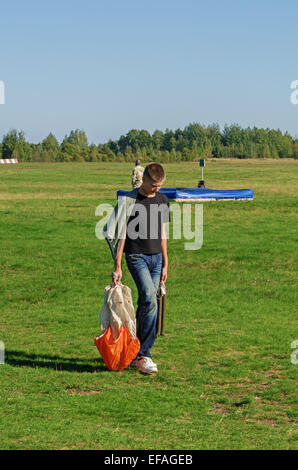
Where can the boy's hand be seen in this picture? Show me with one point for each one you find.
(164, 274)
(117, 276)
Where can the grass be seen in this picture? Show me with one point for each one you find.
(225, 377)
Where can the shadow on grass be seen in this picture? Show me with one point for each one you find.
(21, 358)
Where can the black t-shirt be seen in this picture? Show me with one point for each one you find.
(145, 224)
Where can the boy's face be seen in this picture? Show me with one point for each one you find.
(151, 187)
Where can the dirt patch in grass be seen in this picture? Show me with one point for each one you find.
(271, 422)
(273, 373)
(77, 391)
(221, 409)
(184, 418)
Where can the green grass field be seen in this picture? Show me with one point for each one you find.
(225, 378)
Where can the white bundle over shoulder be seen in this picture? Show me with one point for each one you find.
(118, 310)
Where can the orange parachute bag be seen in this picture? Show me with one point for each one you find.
(118, 344)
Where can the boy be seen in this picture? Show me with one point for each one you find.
(145, 248)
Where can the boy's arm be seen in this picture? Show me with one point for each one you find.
(118, 261)
(164, 252)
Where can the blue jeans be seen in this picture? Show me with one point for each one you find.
(146, 272)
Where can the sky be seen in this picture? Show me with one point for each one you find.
(108, 66)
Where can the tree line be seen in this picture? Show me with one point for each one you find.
(194, 142)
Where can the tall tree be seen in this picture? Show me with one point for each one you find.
(14, 145)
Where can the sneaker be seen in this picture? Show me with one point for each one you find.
(146, 366)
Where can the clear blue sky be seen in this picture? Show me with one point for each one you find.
(107, 66)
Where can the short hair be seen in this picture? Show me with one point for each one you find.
(155, 172)
(138, 162)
